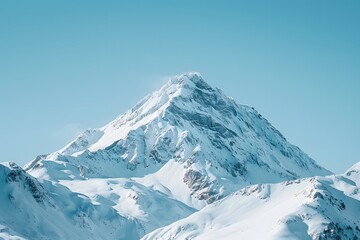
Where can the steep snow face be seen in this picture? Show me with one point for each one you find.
(312, 208)
(211, 145)
(33, 210)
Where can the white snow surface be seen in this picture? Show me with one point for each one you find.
(150, 208)
(33, 210)
(177, 165)
(311, 208)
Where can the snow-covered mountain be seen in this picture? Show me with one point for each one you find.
(33, 210)
(310, 208)
(187, 140)
(169, 167)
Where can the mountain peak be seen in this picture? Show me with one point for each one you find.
(189, 80)
(12, 165)
(209, 142)
(189, 77)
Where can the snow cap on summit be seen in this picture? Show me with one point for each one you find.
(190, 80)
(189, 76)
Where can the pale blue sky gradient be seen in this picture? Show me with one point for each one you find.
(66, 66)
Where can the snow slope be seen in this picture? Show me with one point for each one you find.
(149, 208)
(186, 140)
(353, 173)
(310, 208)
(33, 210)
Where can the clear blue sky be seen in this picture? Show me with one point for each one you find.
(70, 65)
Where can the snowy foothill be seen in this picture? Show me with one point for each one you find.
(311, 208)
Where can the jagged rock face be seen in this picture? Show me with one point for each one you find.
(221, 145)
(19, 179)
